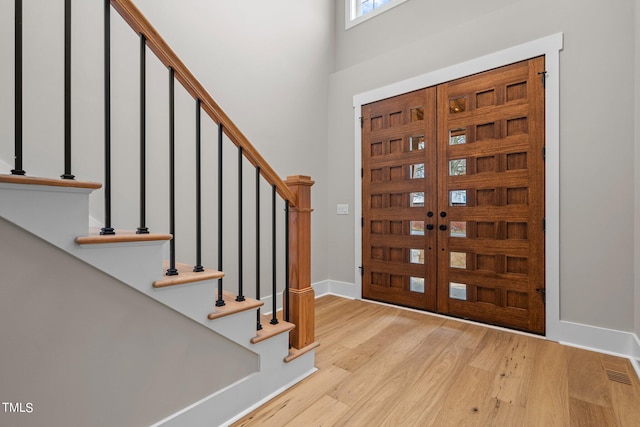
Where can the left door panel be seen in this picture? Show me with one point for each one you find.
(399, 200)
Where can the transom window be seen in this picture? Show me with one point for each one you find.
(365, 6)
(358, 11)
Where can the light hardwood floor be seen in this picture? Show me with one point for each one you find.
(385, 366)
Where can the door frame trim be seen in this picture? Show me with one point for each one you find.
(550, 47)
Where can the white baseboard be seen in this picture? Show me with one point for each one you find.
(334, 287)
(207, 411)
(636, 365)
(268, 398)
(603, 340)
(220, 399)
(635, 360)
(326, 287)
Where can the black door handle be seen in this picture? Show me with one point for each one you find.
(443, 227)
(443, 214)
(429, 226)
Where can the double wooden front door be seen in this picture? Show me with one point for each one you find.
(453, 198)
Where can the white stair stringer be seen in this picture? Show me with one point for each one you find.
(59, 215)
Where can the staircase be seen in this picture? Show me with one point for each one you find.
(57, 211)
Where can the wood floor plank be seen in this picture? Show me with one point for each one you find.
(587, 379)
(420, 402)
(626, 403)
(513, 374)
(385, 395)
(588, 414)
(471, 335)
(548, 399)
(324, 412)
(385, 351)
(625, 398)
(288, 405)
(467, 402)
(385, 366)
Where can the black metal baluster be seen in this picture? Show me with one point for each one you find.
(274, 318)
(67, 91)
(286, 260)
(220, 302)
(18, 90)
(198, 267)
(107, 229)
(142, 229)
(258, 244)
(240, 296)
(172, 270)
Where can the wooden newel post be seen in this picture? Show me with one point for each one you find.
(301, 295)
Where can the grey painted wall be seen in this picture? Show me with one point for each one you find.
(87, 350)
(596, 119)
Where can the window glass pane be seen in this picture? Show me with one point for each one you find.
(366, 6)
(416, 199)
(417, 228)
(416, 284)
(458, 198)
(417, 114)
(458, 228)
(457, 136)
(457, 260)
(457, 105)
(457, 167)
(417, 171)
(417, 256)
(361, 10)
(458, 291)
(416, 143)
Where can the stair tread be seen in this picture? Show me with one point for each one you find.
(294, 353)
(121, 236)
(232, 306)
(186, 275)
(29, 180)
(268, 330)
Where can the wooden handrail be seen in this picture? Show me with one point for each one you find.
(137, 21)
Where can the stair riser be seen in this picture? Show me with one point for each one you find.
(272, 352)
(57, 215)
(136, 264)
(240, 327)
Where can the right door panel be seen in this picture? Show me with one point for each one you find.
(491, 196)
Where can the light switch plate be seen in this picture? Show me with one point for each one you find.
(342, 209)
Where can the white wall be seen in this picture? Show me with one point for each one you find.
(597, 125)
(269, 75)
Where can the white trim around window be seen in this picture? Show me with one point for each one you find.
(350, 8)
